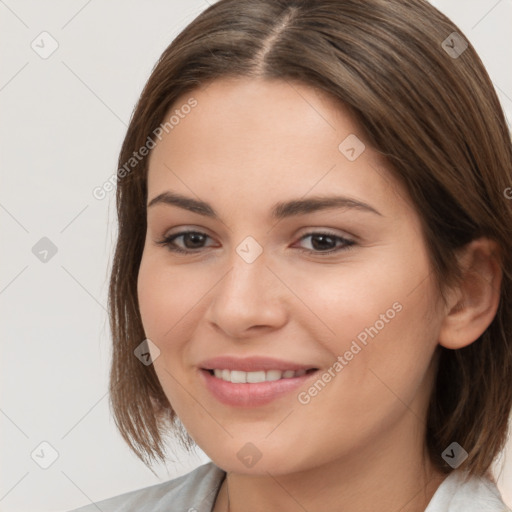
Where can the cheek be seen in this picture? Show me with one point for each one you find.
(386, 295)
(171, 300)
(381, 322)
(166, 302)
(151, 297)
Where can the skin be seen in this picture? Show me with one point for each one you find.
(247, 145)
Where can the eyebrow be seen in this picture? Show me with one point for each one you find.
(279, 211)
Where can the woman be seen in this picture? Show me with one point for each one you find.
(313, 269)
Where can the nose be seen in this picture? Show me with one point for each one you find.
(248, 300)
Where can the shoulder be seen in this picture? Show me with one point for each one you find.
(195, 492)
(461, 493)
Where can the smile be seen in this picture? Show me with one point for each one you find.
(241, 377)
(255, 388)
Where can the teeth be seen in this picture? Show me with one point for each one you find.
(273, 375)
(253, 377)
(237, 376)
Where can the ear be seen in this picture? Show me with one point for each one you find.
(472, 306)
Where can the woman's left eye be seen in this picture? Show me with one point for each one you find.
(319, 242)
(329, 238)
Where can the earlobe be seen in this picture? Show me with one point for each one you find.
(473, 305)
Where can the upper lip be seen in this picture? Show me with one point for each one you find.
(250, 364)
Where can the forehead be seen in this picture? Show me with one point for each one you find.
(266, 139)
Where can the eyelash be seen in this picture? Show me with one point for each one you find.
(169, 242)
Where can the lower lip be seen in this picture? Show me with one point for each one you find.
(252, 394)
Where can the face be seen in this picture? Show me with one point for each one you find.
(339, 294)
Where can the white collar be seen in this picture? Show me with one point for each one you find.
(461, 493)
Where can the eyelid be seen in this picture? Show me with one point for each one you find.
(299, 234)
(327, 231)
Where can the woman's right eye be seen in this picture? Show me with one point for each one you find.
(194, 236)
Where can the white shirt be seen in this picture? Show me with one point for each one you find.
(474, 495)
(197, 491)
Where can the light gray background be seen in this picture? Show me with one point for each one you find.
(63, 120)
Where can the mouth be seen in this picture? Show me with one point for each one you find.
(237, 388)
(255, 377)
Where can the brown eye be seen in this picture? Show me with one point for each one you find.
(192, 240)
(325, 243)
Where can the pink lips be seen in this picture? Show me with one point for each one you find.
(251, 394)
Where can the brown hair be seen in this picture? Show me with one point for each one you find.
(436, 117)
